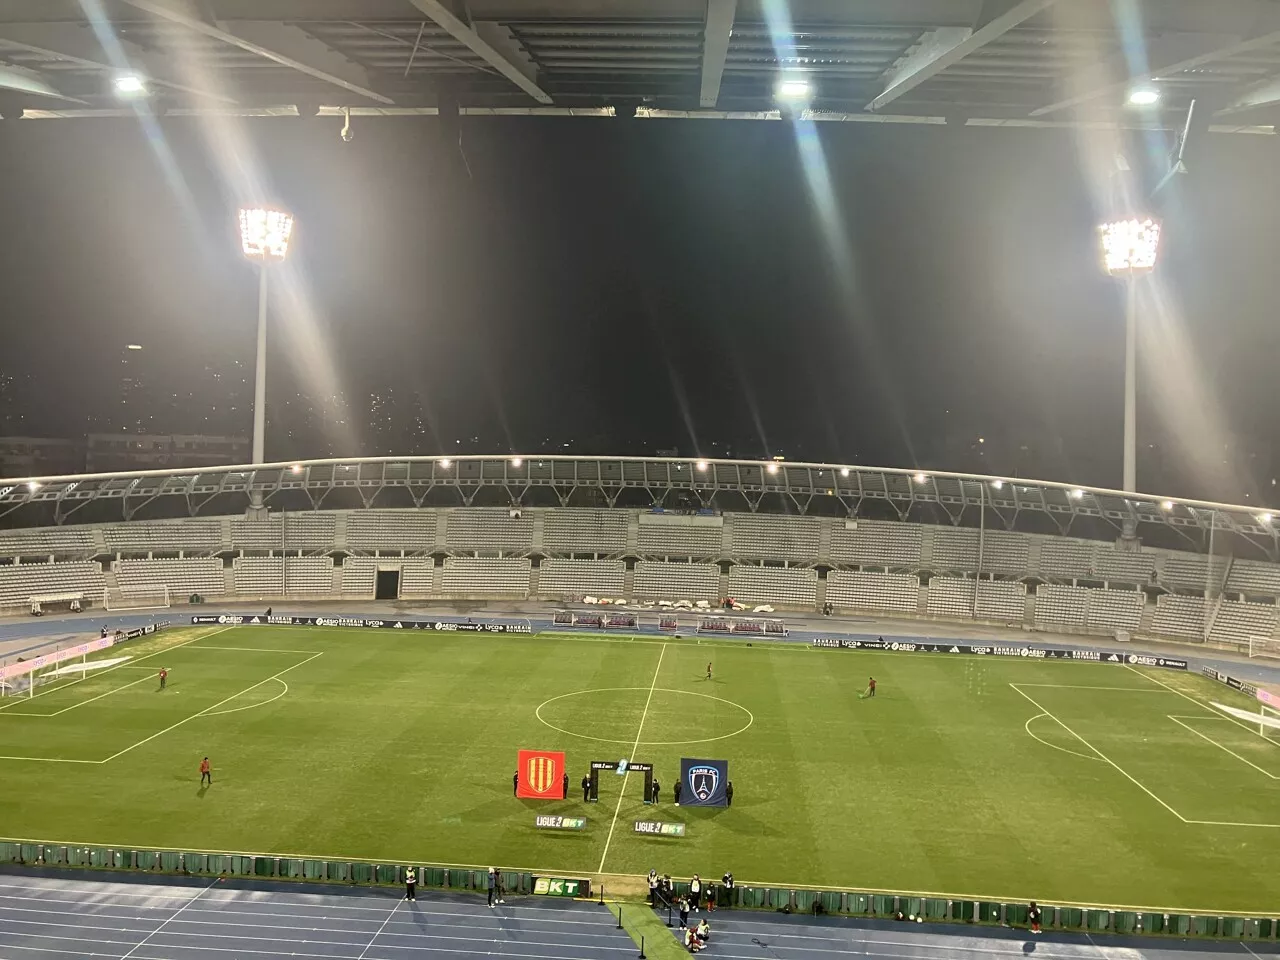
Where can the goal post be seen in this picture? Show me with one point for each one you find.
(1264, 647)
(151, 597)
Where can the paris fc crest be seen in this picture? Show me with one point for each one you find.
(704, 782)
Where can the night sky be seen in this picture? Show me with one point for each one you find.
(628, 286)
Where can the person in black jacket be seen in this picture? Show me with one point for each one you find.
(1033, 917)
(566, 786)
(728, 793)
(677, 792)
(586, 789)
(515, 783)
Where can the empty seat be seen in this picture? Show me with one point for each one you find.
(560, 578)
(951, 597)
(1236, 622)
(584, 531)
(774, 538)
(1067, 559)
(1002, 601)
(1124, 566)
(1179, 616)
(793, 586)
(1114, 609)
(413, 531)
(877, 543)
(202, 575)
(666, 535)
(654, 580)
(1250, 576)
(1196, 571)
(482, 528)
(21, 581)
(189, 536)
(45, 542)
(1061, 605)
(955, 549)
(486, 577)
(866, 590)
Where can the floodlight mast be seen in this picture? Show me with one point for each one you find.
(1130, 247)
(264, 239)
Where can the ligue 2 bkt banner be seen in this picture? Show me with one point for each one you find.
(541, 774)
(703, 783)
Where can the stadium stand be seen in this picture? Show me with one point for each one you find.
(1004, 552)
(202, 575)
(1235, 622)
(676, 581)
(359, 576)
(1249, 576)
(1192, 570)
(877, 542)
(584, 531)
(191, 536)
(1179, 616)
(413, 531)
(951, 597)
(20, 581)
(308, 576)
(416, 579)
(1114, 609)
(1066, 559)
(486, 577)
(672, 535)
(256, 534)
(774, 538)
(602, 578)
(793, 586)
(42, 542)
(955, 549)
(862, 590)
(307, 531)
(1123, 566)
(485, 529)
(1060, 605)
(259, 576)
(1002, 601)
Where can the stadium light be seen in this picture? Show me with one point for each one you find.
(702, 465)
(919, 478)
(1144, 96)
(844, 471)
(130, 85)
(1130, 247)
(793, 89)
(1077, 494)
(264, 239)
(133, 346)
(772, 468)
(33, 486)
(296, 468)
(998, 484)
(1265, 518)
(446, 464)
(1166, 505)
(517, 462)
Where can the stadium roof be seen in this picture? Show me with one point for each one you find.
(962, 499)
(954, 61)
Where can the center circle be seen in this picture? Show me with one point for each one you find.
(668, 718)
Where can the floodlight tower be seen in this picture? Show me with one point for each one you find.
(264, 238)
(1129, 248)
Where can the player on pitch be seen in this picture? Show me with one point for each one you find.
(708, 671)
(206, 772)
(164, 676)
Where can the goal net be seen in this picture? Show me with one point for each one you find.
(1266, 721)
(155, 597)
(1264, 647)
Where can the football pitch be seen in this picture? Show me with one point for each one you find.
(975, 777)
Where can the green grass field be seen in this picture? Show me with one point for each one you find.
(970, 776)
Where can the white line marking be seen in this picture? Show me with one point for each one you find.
(209, 646)
(648, 743)
(1198, 703)
(1027, 727)
(634, 747)
(1221, 747)
(134, 662)
(1078, 686)
(1117, 766)
(143, 941)
(207, 710)
(46, 759)
(380, 929)
(253, 706)
(1234, 823)
(1251, 953)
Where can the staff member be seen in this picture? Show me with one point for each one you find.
(206, 772)
(515, 783)
(586, 789)
(566, 786)
(411, 884)
(657, 788)
(676, 790)
(728, 794)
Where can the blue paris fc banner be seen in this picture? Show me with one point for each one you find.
(704, 783)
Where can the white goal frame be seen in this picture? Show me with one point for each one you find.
(140, 598)
(1264, 647)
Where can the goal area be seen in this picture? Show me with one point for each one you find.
(155, 597)
(1264, 647)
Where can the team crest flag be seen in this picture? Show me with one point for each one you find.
(704, 783)
(541, 774)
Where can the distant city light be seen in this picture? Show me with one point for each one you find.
(982, 439)
(265, 233)
(794, 89)
(1130, 246)
(130, 85)
(1144, 96)
(1166, 505)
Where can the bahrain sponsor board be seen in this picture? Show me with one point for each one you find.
(1001, 650)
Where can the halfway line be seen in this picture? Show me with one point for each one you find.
(634, 747)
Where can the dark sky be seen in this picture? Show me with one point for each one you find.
(644, 284)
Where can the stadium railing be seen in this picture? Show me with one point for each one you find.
(1088, 919)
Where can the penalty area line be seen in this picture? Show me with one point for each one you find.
(209, 710)
(634, 747)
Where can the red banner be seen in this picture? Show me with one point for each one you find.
(541, 774)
